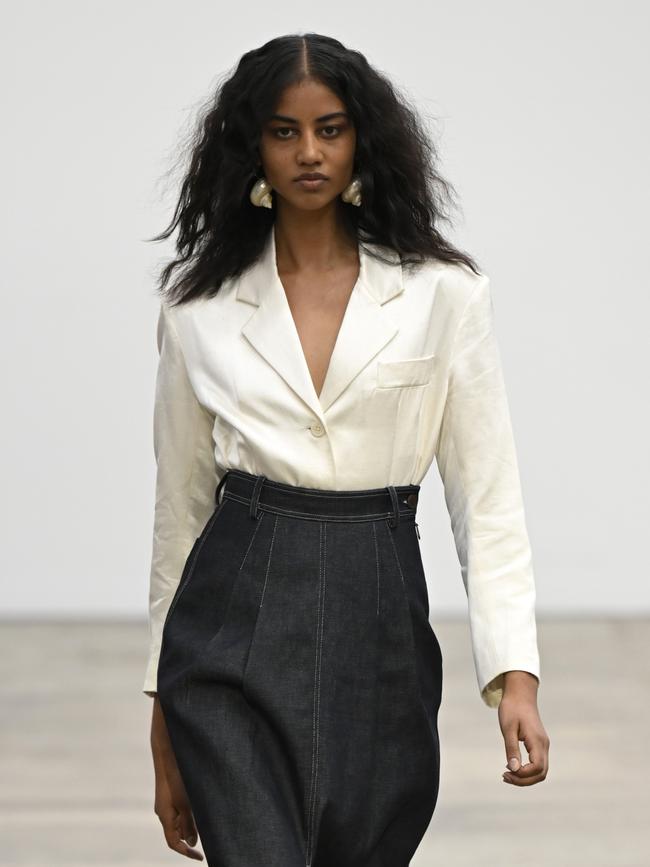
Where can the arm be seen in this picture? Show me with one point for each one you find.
(478, 466)
(186, 480)
(185, 489)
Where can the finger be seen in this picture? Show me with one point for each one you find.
(529, 769)
(188, 827)
(537, 749)
(538, 754)
(171, 823)
(174, 841)
(523, 781)
(513, 755)
(534, 771)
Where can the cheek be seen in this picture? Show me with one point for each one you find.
(343, 154)
(270, 152)
(276, 160)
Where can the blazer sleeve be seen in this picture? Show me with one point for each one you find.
(478, 466)
(186, 479)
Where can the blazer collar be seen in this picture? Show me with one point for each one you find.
(366, 327)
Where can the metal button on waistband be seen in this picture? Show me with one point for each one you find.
(317, 429)
(412, 500)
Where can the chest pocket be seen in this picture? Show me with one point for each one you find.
(406, 372)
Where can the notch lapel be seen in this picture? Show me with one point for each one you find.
(366, 327)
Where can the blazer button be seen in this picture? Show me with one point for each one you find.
(317, 429)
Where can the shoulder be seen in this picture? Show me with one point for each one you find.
(174, 321)
(194, 327)
(453, 284)
(179, 318)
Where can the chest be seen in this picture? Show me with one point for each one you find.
(318, 306)
(281, 357)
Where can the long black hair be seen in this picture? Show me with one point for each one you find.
(221, 232)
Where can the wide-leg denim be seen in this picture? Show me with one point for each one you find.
(300, 678)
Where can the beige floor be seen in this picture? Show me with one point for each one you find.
(77, 780)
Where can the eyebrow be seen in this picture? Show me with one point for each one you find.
(324, 117)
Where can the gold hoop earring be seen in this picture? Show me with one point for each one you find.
(352, 193)
(261, 194)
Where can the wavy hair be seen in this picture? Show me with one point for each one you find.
(221, 233)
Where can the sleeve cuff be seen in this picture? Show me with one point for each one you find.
(492, 691)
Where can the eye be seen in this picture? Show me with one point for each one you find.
(279, 131)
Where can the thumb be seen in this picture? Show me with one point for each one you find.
(188, 828)
(513, 754)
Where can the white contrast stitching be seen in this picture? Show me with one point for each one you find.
(399, 565)
(316, 716)
(374, 533)
(293, 513)
(268, 562)
(257, 526)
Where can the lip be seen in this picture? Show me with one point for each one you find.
(311, 176)
(311, 183)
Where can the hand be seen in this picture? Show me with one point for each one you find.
(520, 721)
(171, 805)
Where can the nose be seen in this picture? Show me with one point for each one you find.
(309, 151)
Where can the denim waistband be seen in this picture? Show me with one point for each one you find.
(262, 494)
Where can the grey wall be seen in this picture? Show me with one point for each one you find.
(540, 114)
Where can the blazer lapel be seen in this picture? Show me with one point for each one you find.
(366, 327)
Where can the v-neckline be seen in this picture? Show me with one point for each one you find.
(342, 323)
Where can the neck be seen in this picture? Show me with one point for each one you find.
(312, 241)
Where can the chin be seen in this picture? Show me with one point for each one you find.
(308, 202)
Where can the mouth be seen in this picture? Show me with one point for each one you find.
(311, 182)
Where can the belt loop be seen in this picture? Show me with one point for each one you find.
(220, 486)
(393, 495)
(254, 510)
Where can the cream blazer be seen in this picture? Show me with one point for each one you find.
(415, 374)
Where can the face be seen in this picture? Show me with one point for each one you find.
(309, 132)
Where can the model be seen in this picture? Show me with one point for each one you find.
(321, 344)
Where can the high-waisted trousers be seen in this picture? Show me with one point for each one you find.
(300, 678)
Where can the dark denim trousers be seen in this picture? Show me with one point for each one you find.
(300, 678)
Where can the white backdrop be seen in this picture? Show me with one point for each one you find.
(540, 114)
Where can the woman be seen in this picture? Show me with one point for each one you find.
(322, 344)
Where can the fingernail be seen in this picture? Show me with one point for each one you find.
(513, 764)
